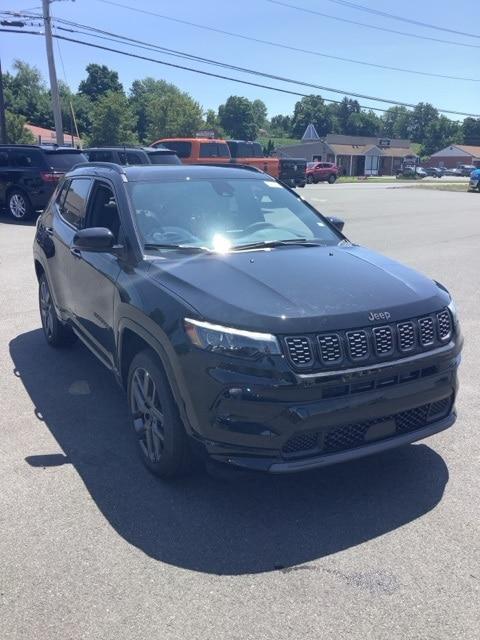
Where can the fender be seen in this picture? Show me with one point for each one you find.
(162, 347)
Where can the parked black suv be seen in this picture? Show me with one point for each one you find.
(29, 175)
(132, 155)
(240, 321)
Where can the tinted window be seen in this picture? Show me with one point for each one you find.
(224, 213)
(246, 150)
(182, 148)
(63, 161)
(25, 158)
(100, 156)
(213, 150)
(163, 158)
(73, 208)
(3, 159)
(135, 158)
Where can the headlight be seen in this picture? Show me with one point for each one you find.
(218, 339)
(453, 310)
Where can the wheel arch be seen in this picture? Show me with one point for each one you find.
(133, 338)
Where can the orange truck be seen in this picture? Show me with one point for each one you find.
(291, 171)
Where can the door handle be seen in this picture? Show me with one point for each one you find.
(49, 231)
(75, 252)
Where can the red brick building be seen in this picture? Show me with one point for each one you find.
(48, 136)
(454, 155)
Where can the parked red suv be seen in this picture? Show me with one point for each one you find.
(321, 171)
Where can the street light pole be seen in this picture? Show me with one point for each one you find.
(57, 111)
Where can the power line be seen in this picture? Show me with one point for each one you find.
(245, 70)
(391, 16)
(291, 47)
(361, 24)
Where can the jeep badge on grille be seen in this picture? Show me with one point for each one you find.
(381, 315)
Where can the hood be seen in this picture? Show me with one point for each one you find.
(298, 289)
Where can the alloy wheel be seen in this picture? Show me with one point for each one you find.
(148, 419)
(18, 206)
(46, 309)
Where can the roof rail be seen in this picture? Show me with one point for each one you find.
(230, 165)
(104, 165)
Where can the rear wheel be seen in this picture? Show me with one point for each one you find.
(162, 439)
(19, 205)
(309, 179)
(56, 333)
(332, 178)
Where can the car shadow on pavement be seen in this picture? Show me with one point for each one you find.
(254, 524)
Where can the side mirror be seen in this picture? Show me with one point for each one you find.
(97, 239)
(338, 223)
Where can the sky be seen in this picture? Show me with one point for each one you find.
(267, 21)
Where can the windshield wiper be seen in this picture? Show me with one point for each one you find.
(265, 244)
(178, 247)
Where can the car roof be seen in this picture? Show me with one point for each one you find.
(155, 173)
(115, 148)
(42, 147)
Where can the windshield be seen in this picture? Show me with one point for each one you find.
(222, 214)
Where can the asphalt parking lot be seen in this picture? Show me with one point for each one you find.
(92, 546)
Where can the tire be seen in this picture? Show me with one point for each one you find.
(56, 333)
(18, 205)
(309, 179)
(332, 178)
(161, 436)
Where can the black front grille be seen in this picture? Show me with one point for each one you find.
(357, 344)
(444, 325)
(351, 436)
(373, 344)
(427, 333)
(330, 348)
(406, 336)
(299, 350)
(383, 340)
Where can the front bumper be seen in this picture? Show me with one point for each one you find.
(473, 184)
(287, 424)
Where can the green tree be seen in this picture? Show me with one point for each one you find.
(99, 81)
(269, 148)
(280, 126)
(311, 109)
(471, 131)
(396, 122)
(422, 117)
(439, 134)
(113, 122)
(17, 133)
(238, 119)
(173, 114)
(142, 92)
(363, 123)
(343, 113)
(259, 113)
(26, 94)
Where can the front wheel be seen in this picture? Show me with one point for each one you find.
(18, 205)
(161, 436)
(332, 179)
(309, 179)
(56, 333)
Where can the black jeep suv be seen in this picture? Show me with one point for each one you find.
(241, 322)
(29, 174)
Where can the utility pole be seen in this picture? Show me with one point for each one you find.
(57, 111)
(3, 123)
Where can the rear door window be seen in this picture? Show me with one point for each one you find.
(64, 161)
(214, 150)
(135, 158)
(182, 148)
(26, 158)
(101, 156)
(74, 206)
